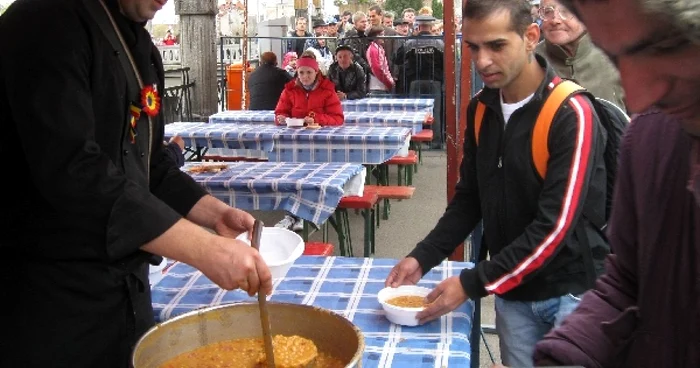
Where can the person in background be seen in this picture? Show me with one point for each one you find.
(643, 312)
(266, 83)
(348, 76)
(569, 49)
(421, 66)
(332, 33)
(300, 35)
(426, 10)
(169, 39)
(375, 16)
(356, 38)
(381, 80)
(345, 22)
(311, 97)
(401, 27)
(409, 14)
(537, 230)
(99, 198)
(388, 20)
(320, 28)
(289, 64)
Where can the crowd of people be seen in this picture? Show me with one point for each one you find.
(100, 195)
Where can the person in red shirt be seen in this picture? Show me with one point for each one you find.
(169, 40)
(310, 96)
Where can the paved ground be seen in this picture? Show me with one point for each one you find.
(409, 222)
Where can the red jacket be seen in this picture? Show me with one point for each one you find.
(295, 102)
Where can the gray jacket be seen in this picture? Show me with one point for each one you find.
(589, 67)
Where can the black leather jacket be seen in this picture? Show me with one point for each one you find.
(535, 230)
(352, 81)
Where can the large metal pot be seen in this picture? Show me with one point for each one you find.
(332, 333)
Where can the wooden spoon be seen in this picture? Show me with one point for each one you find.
(262, 302)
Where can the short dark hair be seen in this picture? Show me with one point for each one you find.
(268, 58)
(377, 9)
(519, 11)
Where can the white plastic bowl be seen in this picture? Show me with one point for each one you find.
(293, 122)
(399, 315)
(279, 248)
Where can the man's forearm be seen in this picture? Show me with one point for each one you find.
(182, 242)
(207, 211)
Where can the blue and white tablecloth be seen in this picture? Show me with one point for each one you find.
(389, 104)
(400, 119)
(354, 144)
(229, 136)
(349, 287)
(311, 191)
(358, 144)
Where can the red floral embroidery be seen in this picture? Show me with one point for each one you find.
(150, 100)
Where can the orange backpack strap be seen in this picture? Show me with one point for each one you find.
(540, 133)
(478, 119)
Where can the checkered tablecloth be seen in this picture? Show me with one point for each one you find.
(349, 287)
(389, 104)
(229, 136)
(398, 119)
(243, 116)
(354, 144)
(311, 191)
(357, 144)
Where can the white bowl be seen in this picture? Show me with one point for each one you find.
(399, 315)
(293, 123)
(279, 249)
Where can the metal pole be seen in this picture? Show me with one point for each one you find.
(454, 127)
(244, 54)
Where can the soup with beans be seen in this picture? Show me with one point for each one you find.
(290, 352)
(407, 301)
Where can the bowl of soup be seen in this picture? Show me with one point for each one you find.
(402, 304)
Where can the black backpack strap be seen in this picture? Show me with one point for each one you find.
(99, 15)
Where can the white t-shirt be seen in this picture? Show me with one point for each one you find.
(509, 108)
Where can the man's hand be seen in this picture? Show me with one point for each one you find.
(280, 119)
(341, 95)
(179, 141)
(445, 298)
(233, 264)
(406, 272)
(233, 222)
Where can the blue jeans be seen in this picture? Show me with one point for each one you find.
(520, 325)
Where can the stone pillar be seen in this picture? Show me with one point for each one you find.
(198, 52)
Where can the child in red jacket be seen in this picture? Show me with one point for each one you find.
(310, 96)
